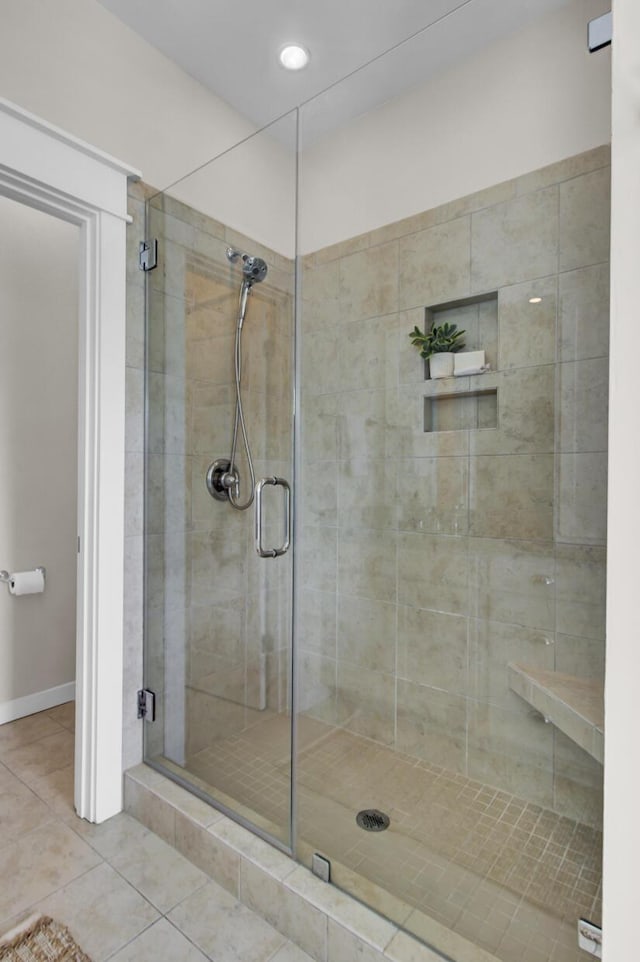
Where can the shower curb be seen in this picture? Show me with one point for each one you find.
(322, 920)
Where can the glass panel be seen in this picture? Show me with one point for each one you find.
(438, 552)
(218, 626)
(450, 537)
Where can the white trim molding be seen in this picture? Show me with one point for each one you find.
(621, 771)
(39, 701)
(45, 168)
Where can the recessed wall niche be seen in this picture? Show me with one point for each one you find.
(462, 411)
(477, 316)
(466, 403)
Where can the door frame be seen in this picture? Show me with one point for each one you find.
(45, 168)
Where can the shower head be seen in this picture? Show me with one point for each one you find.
(253, 268)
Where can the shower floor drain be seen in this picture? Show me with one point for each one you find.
(371, 820)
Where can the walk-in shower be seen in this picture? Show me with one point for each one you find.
(412, 691)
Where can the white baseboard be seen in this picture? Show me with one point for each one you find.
(39, 701)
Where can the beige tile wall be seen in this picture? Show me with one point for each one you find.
(431, 560)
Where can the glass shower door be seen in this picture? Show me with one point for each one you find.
(220, 310)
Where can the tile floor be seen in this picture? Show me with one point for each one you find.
(508, 875)
(125, 894)
(128, 895)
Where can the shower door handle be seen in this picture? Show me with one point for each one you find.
(273, 552)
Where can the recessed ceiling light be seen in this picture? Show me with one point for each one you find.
(535, 300)
(294, 56)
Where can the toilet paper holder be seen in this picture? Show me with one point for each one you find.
(6, 577)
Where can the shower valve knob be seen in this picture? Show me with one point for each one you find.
(221, 479)
(229, 480)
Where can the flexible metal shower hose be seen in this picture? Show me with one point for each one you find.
(234, 492)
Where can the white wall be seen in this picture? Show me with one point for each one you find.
(622, 725)
(252, 188)
(76, 65)
(524, 102)
(38, 446)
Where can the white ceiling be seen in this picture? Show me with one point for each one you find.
(232, 47)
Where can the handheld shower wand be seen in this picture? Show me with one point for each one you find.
(223, 479)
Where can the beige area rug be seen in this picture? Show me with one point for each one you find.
(40, 939)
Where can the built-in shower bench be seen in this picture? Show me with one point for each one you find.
(574, 705)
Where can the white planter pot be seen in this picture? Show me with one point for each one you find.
(441, 365)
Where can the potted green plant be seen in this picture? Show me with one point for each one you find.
(438, 347)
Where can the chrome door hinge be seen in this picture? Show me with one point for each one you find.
(590, 937)
(600, 32)
(148, 255)
(321, 867)
(147, 704)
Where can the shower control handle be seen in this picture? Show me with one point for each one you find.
(273, 552)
